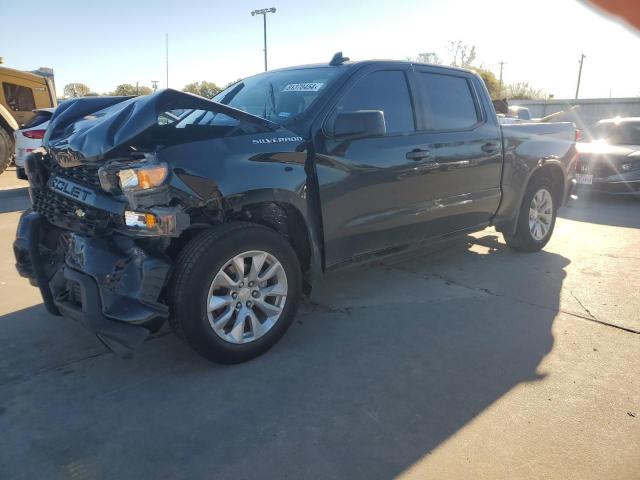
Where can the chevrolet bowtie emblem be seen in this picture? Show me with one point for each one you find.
(80, 213)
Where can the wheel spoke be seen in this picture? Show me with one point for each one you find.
(224, 280)
(276, 290)
(237, 332)
(222, 320)
(269, 309)
(238, 265)
(271, 271)
(257, 262)
(256, 326)
(543, 229)
(217, 302)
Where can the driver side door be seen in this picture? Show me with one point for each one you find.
(370, 188)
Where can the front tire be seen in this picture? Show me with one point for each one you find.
(537, 217)
(235, 291)
(6, 149)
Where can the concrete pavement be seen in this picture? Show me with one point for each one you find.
(471, 362)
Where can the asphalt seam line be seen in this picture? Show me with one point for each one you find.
(492, 293)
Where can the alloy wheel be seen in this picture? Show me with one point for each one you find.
(247, 297)
(540, 214)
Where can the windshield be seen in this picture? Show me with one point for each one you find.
(278, 96)
(622, 133)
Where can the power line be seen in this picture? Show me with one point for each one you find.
(582, 57)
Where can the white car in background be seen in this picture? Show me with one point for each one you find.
(30, 137)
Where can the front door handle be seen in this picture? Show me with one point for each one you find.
(490, 147)
(418, 154)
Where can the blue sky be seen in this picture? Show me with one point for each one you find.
(103, 44)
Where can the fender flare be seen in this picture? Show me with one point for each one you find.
(506, 219)
(295, 201)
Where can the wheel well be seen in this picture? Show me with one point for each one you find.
(284, 219)
(554, 174)
(281, 217)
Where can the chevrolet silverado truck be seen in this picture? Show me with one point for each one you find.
(218, 215)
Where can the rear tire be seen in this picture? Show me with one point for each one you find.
(6, 149)
(238, 329)
(537, 217)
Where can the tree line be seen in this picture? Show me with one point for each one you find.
(459, 55)
(204, 89)
(465, 56)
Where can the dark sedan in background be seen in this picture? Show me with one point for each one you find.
(610, 160)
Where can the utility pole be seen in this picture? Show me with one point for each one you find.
(501, 65)
(167, 56)
(582, 56)
(137, 88)
(264, 12)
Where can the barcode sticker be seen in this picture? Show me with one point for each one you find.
(303, 87)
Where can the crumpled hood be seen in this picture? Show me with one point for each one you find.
(89, 129)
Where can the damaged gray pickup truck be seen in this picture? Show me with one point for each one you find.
(218, 215)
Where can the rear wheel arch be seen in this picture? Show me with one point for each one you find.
(507, 217)
(553, 172)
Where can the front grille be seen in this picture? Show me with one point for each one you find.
(85, 174)
(67, 213)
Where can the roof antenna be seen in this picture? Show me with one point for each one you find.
(338, 59)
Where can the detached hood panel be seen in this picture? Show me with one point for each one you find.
(91, 129)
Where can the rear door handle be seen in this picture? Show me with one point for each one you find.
(418, 154)
(490, 147)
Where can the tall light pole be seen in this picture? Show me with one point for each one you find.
(264, 12)
(166, 56)
(582, 56)
(501, 65)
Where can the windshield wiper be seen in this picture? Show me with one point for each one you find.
(232, 93)
(272, 99)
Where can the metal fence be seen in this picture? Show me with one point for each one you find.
(588, 111)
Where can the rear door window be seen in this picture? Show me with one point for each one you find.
(19, 98)
(387, 91)
(448, 101)
(39, 119)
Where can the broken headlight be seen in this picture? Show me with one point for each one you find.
(157, 221)
(144, 177)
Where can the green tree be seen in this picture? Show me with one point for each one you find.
(490, 80)
(524, 91)
(204, 89)
(72, 90)
(462, 55)
(426, 57)
(126, 89)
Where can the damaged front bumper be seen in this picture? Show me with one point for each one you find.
(111, 285)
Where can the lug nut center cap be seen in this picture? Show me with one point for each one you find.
(244, 294)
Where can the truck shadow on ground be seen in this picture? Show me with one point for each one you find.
(14, 200)
(591, 207)
(385, 364)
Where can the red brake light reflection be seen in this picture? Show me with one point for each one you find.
(34, 134)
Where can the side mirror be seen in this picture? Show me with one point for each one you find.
(360, 124)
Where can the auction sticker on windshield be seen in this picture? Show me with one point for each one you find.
(303, 87)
